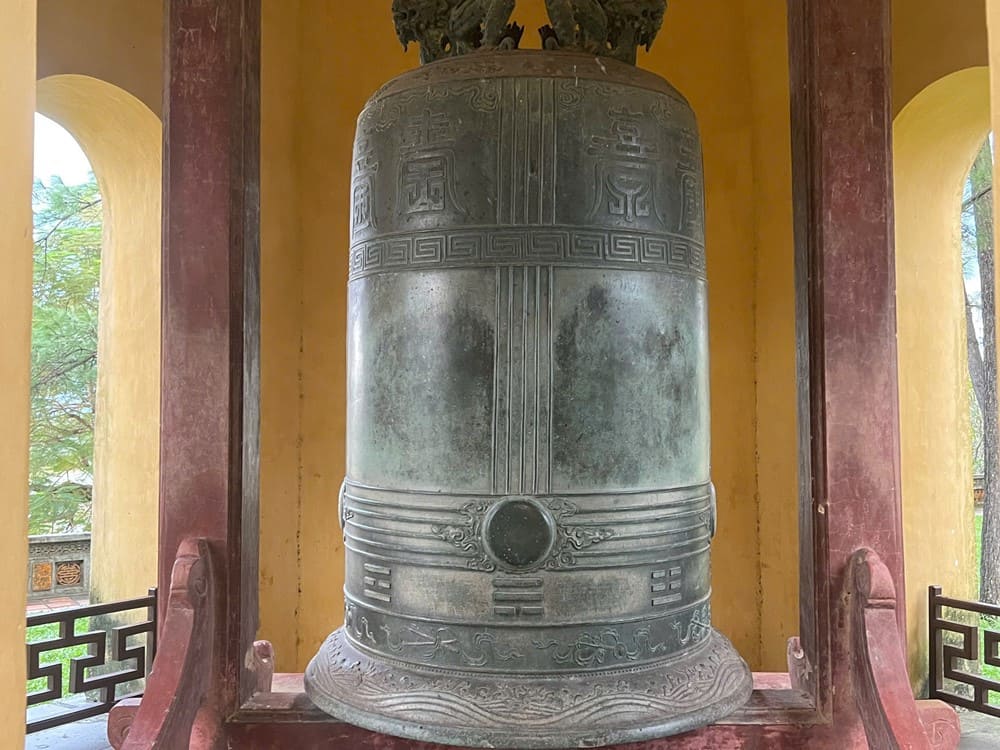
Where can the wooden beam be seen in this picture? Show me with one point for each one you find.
(210, 382)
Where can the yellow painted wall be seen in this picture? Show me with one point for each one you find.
(118, 41)
(123, 140)
(719, 47)
(936, 137)
(281, 331)
(334, 40)
(704, 52)
(17, 100)
(932, 39)
(993, 34)
(774, 314)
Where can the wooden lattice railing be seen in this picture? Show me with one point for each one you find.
(115, 655)
(966, 673)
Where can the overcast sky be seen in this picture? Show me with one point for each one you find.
(57, 153)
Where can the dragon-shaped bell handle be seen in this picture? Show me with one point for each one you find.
(609, 28)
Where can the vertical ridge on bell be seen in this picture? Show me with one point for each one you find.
(527, 513)
(522, 380)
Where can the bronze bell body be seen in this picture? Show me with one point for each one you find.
(528, 509)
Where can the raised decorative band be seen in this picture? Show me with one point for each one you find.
(478, 247)
(588, 531)
(524, 649)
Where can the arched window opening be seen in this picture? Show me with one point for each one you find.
(936, 135)
(122, 139)
(68, 224)
(94, 388)
(979, 277)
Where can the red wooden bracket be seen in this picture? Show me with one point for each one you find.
(177, 685)
(892, 719)
(120, 721)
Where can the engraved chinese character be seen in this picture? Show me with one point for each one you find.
(688, 170)
(365, 161)
(425, 183)
(426, 179)
(361, 217)
(363, 185)
(629, 191)
(427, 129)
(626, 168)
(626, 139)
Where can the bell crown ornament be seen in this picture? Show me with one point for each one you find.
(528, 508)
(448, 28)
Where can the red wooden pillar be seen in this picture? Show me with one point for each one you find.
(849, 414)
(209, 433)
(852, 596)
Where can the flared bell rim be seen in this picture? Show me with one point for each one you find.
(591, 709)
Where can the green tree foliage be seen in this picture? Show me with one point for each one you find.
(978, 250)
(64, 354)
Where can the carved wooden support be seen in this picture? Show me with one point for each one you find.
(260, 663)
(892, 719)
(940, 723)
(800, 671)
(176, 687)
(120, 721)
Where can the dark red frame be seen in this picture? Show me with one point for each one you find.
(851, 538)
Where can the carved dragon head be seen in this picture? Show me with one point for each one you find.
(614, 28)
(424, 22)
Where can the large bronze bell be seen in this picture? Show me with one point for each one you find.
(528, 509)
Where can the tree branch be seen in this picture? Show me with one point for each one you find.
(62, 370)
(966, 205)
